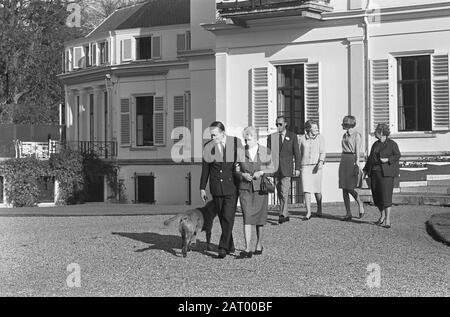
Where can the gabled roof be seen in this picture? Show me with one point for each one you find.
(149, 14)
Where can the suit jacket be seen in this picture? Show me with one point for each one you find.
(284, 159)
(219, 169)
(262, 162)
(390, 151)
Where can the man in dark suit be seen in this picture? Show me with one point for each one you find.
(219, 164)
(284, 147)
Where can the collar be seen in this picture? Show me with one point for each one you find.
(308, 137)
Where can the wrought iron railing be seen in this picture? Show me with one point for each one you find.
(263, 4)
(101, 148)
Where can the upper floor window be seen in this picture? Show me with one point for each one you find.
(104, 54)
(87, 55)
(184, 41)
(144, 48)
(144, 121)
(414, 93)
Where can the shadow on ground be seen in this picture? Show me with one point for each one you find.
(167, 243)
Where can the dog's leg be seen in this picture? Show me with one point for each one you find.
(184, 244)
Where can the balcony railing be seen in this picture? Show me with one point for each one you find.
(267, 5)
(101, 149)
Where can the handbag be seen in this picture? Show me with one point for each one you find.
(266, 186)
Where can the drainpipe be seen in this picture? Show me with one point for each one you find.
(367, 76)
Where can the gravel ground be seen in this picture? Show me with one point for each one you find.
(138, 256)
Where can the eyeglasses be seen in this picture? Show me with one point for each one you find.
(279, 124)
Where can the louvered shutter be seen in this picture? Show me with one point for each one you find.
(312, 92)
(156, 47)
(380, 92)
(126, 49)
(77, 56)
(159, 120)
(260, 98)
(179, 113)
(125, 137)
(440, 92)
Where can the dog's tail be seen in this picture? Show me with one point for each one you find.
(175, 218)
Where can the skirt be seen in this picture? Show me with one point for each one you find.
(348, 178)
(311, 180)
(254, 207)
(382, 189)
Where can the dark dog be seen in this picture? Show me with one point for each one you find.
(192, 222)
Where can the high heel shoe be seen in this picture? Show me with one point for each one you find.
(258, 252)
(307, 218)
(245, 254)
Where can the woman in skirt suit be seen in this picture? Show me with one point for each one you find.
(382, 167)
(349, 168)
(251, 167)
(312, 153)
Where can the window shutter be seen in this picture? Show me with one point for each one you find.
(380, 92)
(77, 56)
(181, 42)
(440, 92)
(159, 119)
(260, 98)
(125, 139)
(188, 40)
(312, 92)
(156, 47)
(179, 113)
(126, 49)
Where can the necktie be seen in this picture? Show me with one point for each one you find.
(281, 141)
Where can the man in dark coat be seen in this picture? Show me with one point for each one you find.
(285, 149)
(219, 165)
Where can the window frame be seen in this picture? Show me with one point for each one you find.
(134, 119)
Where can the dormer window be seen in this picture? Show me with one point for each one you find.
(104, 53)
(87, 56)
(184, 41)
(144, 48)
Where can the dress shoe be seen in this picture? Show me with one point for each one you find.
(222, 254)
(231, 251)
(245, 255)
(319, 215)
(347, 218)
(258, 252)
(283, 219)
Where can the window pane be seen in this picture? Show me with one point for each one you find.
(424, 68)
(407, 69)
(144, 47)
(144, 121)
(424, 106)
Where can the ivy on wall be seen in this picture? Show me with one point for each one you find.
(72, 170)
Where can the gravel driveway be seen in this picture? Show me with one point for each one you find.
(138, 256)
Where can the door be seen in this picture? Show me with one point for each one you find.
(291, 104)
(46, 187)
(95, 189)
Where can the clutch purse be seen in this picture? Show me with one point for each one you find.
(266, 186)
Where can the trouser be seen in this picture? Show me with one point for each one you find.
(226, 210)
(283, 188)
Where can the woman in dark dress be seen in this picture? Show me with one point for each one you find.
(382, 167)
(252, 166)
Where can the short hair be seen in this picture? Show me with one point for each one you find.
(383, 129)
(349, 121)
(251, 131)
(309, 124)
(218, 124)
(282, 117)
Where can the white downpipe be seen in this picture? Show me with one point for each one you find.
(367, 76)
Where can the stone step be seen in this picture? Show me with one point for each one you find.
(417, 199)
(443, 190)
(442, 182)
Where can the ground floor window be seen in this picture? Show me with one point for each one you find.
(145, 189)
(414, 93)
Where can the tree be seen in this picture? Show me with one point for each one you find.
(31, 42)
